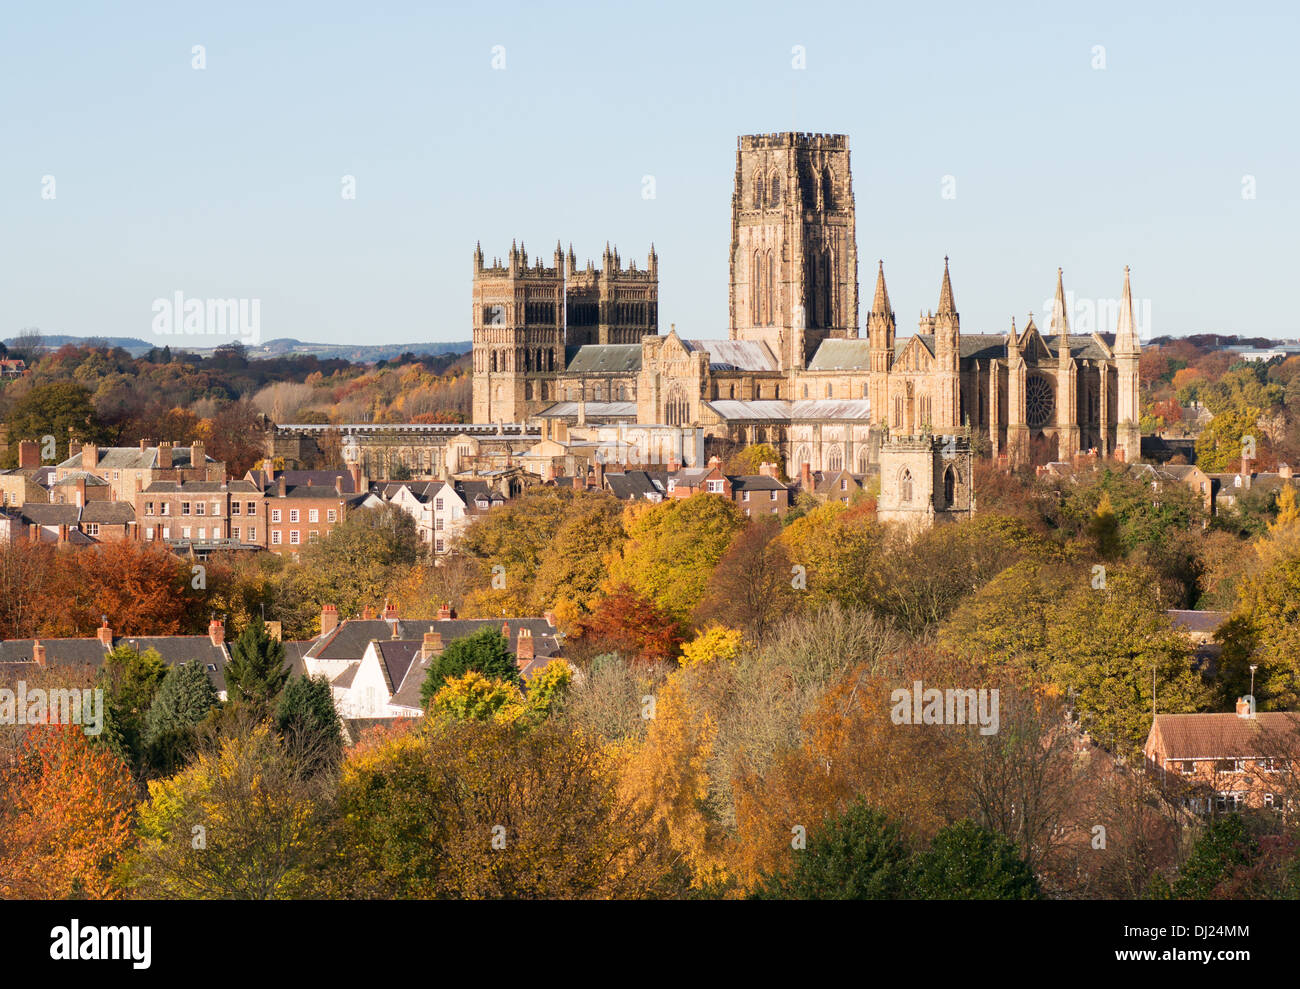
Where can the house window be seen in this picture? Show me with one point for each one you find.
(293, 537)
(234, 508)
(313, 515)
(437, 545)
(293, 515)
(275, 515)
(166, 507)
(167, 532)
(437, 504)
(745, 496)
(234, 532)
(216, 508)
(148, 507)
(148, 533)
(185, 532)
(200, 508)
(313, 536)
(747, 512)
(92, 528)
(203, 533)
(844, 484)
(275, 537)
(714, 487)
(437, 525)
(185, 508)
(772, 495)
(332, 515)
(252, 533)
(1187, 767)
(252, 509)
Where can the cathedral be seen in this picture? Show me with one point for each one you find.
(582, 345)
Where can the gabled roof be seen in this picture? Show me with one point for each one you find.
(34, 513)
(735, 355)
(1226, 736)
(174, 649)
(108, 512)
(133, 458)
(72, 477)
(636, 484)
(351, 639)
(604, 358)
(838, 355)
(756, 482)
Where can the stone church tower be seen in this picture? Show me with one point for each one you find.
(794, 263)
(518, 334)
(926, 478)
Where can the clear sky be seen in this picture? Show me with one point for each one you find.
(226, 181)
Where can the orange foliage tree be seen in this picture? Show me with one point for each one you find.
(66, 814)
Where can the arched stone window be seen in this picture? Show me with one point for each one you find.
(828, 188)
(757, 292)
(835, 459)
(802, 455)
(905, 486)
(828, 390)
(949, 486)
(769, 292)
(493, 363)
(805, 391)
(758, 191)
(864, 460)
(774, 187)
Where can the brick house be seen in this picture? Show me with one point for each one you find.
(123, 467)
(1218, 763)
(201, 514)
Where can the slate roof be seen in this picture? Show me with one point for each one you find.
(197, 487)
(173, 649)
(764, 410)
(756, 482)
(593, 410)
(637, 484)
(735, 355)
(839, 355)
(108, 512)
(395, 658)
(1225, 736)
(294, 651)
(38, 514)
(133, 458)
(604, 358)
(831, 408)
(70, 479)
(351, 639)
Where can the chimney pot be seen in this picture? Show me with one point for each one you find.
(444, 612)
(38, 653)
(216, 632)
(105, 634)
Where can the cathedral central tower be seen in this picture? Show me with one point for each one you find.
(794, 259)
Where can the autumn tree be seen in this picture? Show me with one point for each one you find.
(750, 459)
(355, 564)
(66, 812)
(244, 820)
(752, 586)
(629, 624)
(672, 548)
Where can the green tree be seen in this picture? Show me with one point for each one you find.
(967, 862)
(130, 681)
(751, 458)
(1218, 852)
(857, 855)
(184, 699)
(1264, 630)
(61, 409)
(1103, 647)
(307, 720)
(486, 652)
(256, 672)
(360, 558)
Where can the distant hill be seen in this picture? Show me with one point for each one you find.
(357, 353)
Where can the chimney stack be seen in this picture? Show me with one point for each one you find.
(368, 614)
(432, 646)
(390, 612)
(806, 478)
(329, 619)
(1247, 466)
(89, 456)
(356, 478)
(444, 612)
(524, 648)
(1246, 707)
(105, 634)
(216, 632)
(767, 470)
(29, 455)
(338, 485)
(38, 653)
(198, 458)
(164, 456)
(275, 631)
(550, 618)
(280, 486)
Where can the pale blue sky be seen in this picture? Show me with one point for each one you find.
(226, 182)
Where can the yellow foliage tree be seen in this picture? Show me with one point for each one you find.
(717, 642)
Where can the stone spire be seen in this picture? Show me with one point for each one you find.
(945, 292)
(1125, 334)
(1013, 339)
(880, 304)
(1060, 326)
